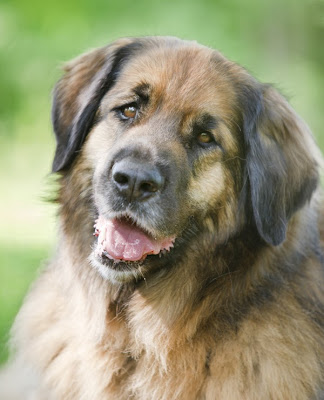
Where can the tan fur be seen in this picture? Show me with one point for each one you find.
(242, 322)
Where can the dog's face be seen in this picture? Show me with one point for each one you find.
(170, 135)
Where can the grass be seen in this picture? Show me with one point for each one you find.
(19, 267)
(27, 225)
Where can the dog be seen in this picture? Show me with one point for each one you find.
(190, 255)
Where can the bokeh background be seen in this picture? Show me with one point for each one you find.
(280, 42)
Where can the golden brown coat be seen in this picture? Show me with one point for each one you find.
(236, 310)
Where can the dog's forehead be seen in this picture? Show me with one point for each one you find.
(184, 76)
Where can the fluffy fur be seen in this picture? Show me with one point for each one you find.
(235, 310)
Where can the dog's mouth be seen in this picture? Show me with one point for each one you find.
(122, 239)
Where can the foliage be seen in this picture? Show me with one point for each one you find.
(279, 42)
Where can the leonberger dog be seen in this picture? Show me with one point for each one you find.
(190, 256)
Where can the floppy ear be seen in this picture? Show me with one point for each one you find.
(280, 161)
(78, 94)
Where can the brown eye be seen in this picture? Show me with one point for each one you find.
(128, 112)
(205, 138)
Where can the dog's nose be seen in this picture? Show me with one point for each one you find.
(136, 180)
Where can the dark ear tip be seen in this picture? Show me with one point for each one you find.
(55, 169)
(55, 166)
(275, 240)
(59, 162)
(273, 236)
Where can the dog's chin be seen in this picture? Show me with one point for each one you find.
(125, 273)
(120, 272)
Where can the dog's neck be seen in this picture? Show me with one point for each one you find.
(223, 297)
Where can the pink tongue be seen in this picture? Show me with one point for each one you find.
(125, 241)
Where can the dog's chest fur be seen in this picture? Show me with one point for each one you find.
(158, 353)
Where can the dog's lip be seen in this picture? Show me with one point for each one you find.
(124, 239)
(131, 218)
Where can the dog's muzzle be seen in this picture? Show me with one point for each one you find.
(136, 188)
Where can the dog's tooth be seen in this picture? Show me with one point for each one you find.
(96, 233)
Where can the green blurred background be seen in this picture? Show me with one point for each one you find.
(280, 42)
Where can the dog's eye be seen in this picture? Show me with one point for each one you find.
(205, 138)
(129, 111)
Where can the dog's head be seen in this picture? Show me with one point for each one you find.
(163, 141)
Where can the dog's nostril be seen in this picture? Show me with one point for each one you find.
(121, 178)
(149, 187)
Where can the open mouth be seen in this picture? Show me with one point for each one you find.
(121, 239)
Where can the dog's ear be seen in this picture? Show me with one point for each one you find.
(78, 94)
(280, 160)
